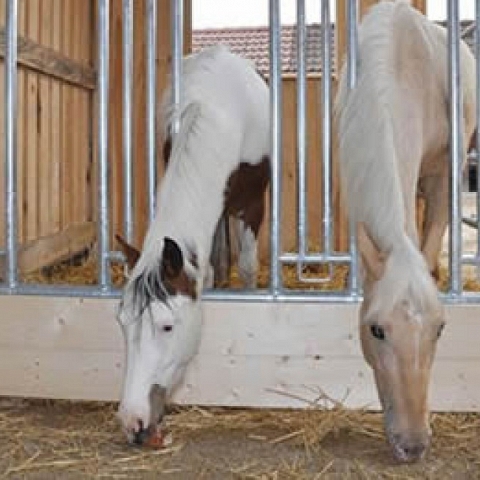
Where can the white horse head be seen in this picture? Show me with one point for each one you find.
(218, 166)
(161, 318)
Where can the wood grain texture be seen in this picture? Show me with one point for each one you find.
(251, 354)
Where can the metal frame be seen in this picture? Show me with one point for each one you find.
(276, 291)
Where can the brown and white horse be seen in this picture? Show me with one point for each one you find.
(218, 165)
(394, 139)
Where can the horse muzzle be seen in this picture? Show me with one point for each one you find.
(411, 448)
(140, 424)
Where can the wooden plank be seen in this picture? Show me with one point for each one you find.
(45, 60)
(115, 130)
(76, 200)
(22, 143)
(31, 131)
(56, 126)
(67, 137)
(73, 348)
(44, 137)
(54, 248)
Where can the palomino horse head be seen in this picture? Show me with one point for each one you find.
(160, 317)
(401, 320)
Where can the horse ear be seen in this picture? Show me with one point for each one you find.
(131, 253)
(172, 258)
(372, 259)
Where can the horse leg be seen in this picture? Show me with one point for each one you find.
(247, 253)
(247, 226)
(220, 256)
(435, 191)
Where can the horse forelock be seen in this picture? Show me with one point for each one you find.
(143, 289)
(405, 279)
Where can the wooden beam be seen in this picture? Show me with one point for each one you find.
(49, 62)
(54, 248)
(251, 354)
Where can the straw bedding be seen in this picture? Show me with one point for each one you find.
(45, 439)
(59, 439)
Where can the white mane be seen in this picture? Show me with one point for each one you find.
(378, 150)
(220, 125)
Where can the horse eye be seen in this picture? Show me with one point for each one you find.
(167, 328)
(377, 331)
(440, 330)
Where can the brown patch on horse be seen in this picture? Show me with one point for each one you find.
(245, 191)
(181, 284)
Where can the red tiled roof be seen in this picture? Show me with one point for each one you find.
(253, 43)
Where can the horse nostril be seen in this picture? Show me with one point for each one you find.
(141, 434)
(413, 451)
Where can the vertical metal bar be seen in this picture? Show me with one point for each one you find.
(456, 148)
(127, 49)
(477, 117)
(352, 59)
(276, 146)
(11, 144)
(177, 53)
(103, 81)
(151, 46)
(327, 127)
(302, 228)
(352, 35)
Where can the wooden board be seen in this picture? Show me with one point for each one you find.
(52, 249)
(251, 354)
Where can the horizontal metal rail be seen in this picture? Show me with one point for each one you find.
(276, 291)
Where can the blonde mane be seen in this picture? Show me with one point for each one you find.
(374, 157)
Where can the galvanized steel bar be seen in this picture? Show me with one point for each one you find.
(151, 55)
(127, 50)
(11, 144)
(302, 227)
(456, 149)
(477, 116)
(290, 296)
(327, 126)
(314, 258)
(103, 83)
(352, 63)
(177, 53)
(276, 146)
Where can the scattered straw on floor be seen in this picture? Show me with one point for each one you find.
(45, 439)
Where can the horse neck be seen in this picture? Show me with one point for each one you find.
(190, 201)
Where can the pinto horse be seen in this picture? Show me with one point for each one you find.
(394, 140)
(218, 164)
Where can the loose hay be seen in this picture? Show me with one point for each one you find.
(85, 273)
(59, 439)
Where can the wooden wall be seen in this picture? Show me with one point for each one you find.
(55, 88)
(57, 117)
(139, 122)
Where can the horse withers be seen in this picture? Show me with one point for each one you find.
(394, 141)
(218, 165)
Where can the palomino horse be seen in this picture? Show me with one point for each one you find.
(394, 138)
(218, 163)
